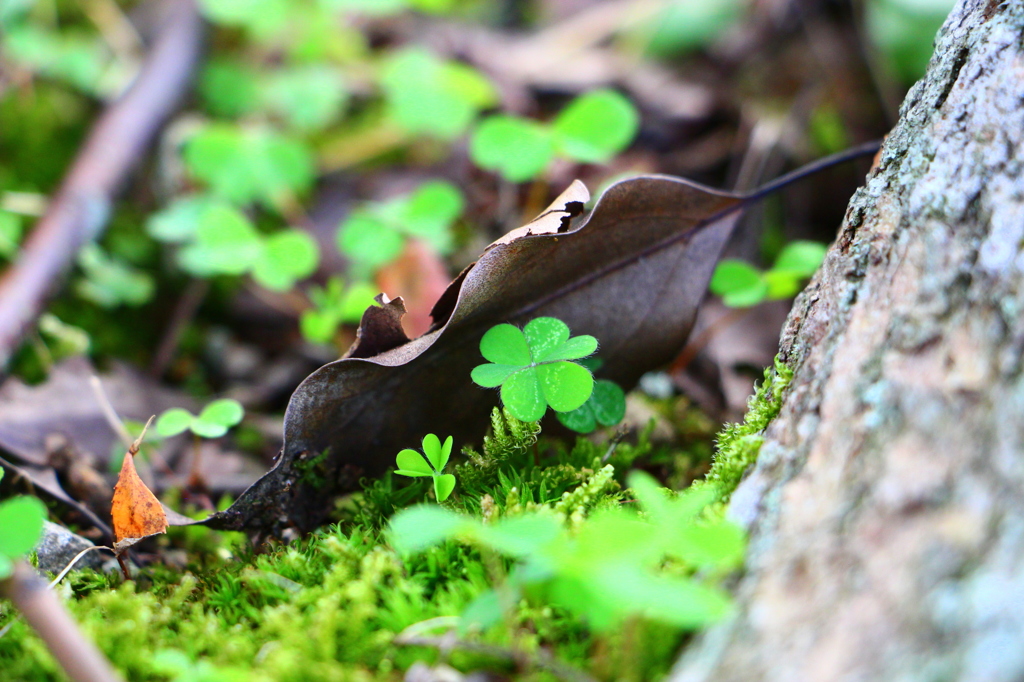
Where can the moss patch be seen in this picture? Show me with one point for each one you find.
(737, 445)
(331, 606)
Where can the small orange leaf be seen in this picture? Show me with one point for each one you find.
(136, 511)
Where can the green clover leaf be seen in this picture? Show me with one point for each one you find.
(605, 406)
(534, 367)
(109, 281)
(411, 463)
(428, 96)
(21, 525)
(431, 463)
(245, 166)
(741, 285)
(334, 304)
(517, 148)
(444, 484)
(375, 234)
(288, 256)
(596, 126)
(213, 422)
(225, 242)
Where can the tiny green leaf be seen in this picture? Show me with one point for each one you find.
(505, 344)
(709, 546)
(226, 412)
(443, 486)
(446, 452)
(179, 220)
(368, 241)
(521, 395)
(243, 165)
(432, 450)
(287, 256)
(580, 420)
(110, 282)
(21, 525)
(491, 375)
(544, 334)
(605, 406)
(575, 348)
(429, 212)
(565, 385)
(800, 258)
(356, 300)
(308, 97)
(781, 284)
(516, 148)
(412, 463)
(596, 126)
(172, 422)
(226, 243)
(521, 536)
(608, 402)
(739, 284)
(429, 96)
(651, 495)
(229, 88)
(483, 611)
(318, 326)
(10, 233)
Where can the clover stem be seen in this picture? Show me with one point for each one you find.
(195, 476)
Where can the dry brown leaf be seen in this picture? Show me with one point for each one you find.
(136, 511)
(632, 273)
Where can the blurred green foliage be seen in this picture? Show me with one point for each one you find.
(742, 285)
(904, 33)
(375, 233)
(212, 422)
(593, 128)
(21, 525)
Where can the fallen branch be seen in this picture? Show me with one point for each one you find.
(81, 206)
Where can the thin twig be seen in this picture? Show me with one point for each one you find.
(67, 569)
(184, 311)
(60, 576)
(41, 607)
(699, 342)
(80, 209)
(118, 427)
(109, 413)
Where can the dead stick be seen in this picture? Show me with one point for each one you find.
(695, 346)
(80, 209)
(41, 607)
(185, 309)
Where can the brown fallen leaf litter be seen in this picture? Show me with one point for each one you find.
(136, 512)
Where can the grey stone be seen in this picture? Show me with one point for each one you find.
(59, 546)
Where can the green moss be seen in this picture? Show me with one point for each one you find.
(738, 444)
(331, 606)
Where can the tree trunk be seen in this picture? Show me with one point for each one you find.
(886, 509)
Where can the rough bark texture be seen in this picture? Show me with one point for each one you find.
(886, 509)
